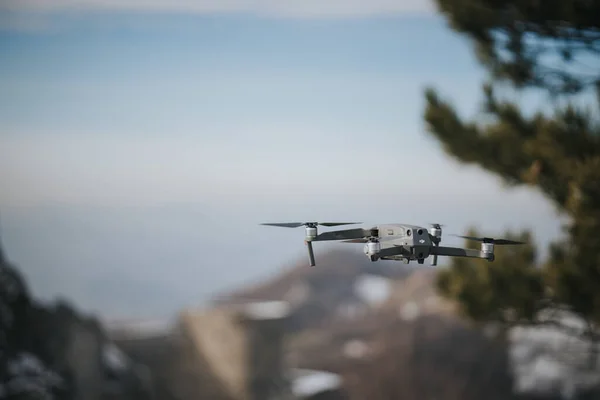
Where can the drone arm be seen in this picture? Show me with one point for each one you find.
(333, 235)
(456, 252)
(343, 234)
(393, 251)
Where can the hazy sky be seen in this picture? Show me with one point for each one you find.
(142, 141)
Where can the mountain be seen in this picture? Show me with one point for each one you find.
(344, 284)
(382, 327)
(53, 352)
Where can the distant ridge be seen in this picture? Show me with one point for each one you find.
(318, 294)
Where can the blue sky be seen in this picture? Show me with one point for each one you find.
(155, 132)
(263, 90)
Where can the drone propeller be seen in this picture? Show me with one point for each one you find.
(491, 240)
(435, 225)
(298, 224)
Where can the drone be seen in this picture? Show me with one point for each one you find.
(398, 242)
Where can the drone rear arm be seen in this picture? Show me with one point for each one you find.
(457, 252)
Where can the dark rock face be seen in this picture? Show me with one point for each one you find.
(52, 352)
(178, 372)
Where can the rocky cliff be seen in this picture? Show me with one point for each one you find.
(53, 352)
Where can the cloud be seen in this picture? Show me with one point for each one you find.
(277, 8)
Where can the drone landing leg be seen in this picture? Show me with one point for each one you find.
(311, 254)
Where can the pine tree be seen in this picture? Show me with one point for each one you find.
(552, 48)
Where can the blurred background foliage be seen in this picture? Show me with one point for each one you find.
(506, 290)
(551, 48)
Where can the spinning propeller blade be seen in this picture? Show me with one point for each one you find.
(338, 223)
(436, 225)
(285, 224)
(491, 240)
(298, 224)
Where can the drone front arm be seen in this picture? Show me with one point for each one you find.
(393, 251)
(457, 252)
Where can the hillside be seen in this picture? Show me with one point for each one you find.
(342, 340)
(379, 327)
(52, 351)
(383, 328)
(343, 284)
